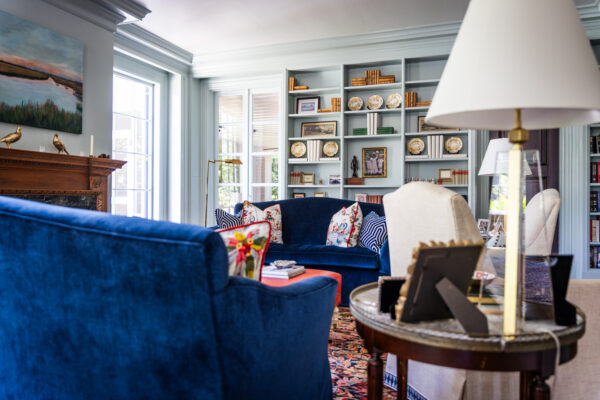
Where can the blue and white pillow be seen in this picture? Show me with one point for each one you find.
(226, 220)
(373, 232)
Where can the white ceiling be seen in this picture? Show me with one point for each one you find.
(208, 26)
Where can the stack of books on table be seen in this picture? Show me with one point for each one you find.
(271, 271)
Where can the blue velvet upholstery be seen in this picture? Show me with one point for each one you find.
(95, 306)
(305, 222)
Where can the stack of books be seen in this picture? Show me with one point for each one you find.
(314, 150)
(292, 85)
(381, 130)
(594, 201)
(594, 144)
(460, 177)
(372, 123)
(375, 198)
(595, 172)
(373, 77)
(271, 271)
(336, 105)
(594, 257)
(295, 178)
(410, 99)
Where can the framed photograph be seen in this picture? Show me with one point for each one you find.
(374, 163)
(423, 127)
(307, 105)
(483, 224)
(335, 179)
(298, 195)
(308, 178)
(445, 175)
(362, 197)
(319, 129)
(319, 194)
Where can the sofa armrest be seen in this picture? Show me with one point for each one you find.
(384, 259)
(273, 340)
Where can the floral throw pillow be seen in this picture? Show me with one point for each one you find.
(272, 214)
(246, 248)
(344, 227)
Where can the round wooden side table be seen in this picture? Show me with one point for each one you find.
(444, 343)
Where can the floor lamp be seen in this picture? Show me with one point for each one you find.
(234, 161)
(521, 65)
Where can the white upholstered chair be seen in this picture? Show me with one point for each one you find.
(541, 215)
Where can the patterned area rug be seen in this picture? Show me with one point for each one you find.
(348, 359)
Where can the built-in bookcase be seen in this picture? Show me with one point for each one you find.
(420, 75)
(594, 209)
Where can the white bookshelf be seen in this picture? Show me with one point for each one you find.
(419, 75)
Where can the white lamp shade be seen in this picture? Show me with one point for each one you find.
(490, 164)
(527, 54)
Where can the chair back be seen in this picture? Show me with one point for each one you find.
(541, 215)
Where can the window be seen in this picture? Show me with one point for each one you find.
(248, 128)
(132, 141)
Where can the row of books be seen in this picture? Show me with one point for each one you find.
(336, 106)
(459, 177)
(373, 77)
(295, 178)
(595, 172)
(373, 121)
(594, 230)
(594, 257)
(369, 198)
(314, 150)
(381, 130)
(594, 144)
(435, 150)
(293, 86)
(411, 100)
(594, 201)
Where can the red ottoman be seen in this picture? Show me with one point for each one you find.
(308, 274)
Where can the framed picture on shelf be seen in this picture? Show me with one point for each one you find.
(298, 195)
(374, 162)
(335, 179)
(484, 225)
(445, 175)
(423, 127)
(308, 179)
(307, 105)
(319, 129)
(362, 197)
(319, 194)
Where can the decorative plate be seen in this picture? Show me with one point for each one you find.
(298, 149)
(453, 145)
(330, 148)
(355, 103)
(393, 100)
(374, 102)
(416, 146)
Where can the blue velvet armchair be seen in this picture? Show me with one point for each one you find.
(95, 306)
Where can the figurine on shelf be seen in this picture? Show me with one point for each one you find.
(60, 146)
(12, 137)
(354, 167)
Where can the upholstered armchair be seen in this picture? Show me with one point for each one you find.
(96, 306)
(541, 215)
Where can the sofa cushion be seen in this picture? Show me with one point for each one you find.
(272, 214)
(226, 220)
(314, 255)
(305, 221)
(344, 227)
(373, 232)
(246, 247)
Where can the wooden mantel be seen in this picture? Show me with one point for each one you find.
(25, 173)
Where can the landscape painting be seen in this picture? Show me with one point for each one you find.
(41, 76)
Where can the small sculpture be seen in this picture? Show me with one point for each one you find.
(354, 166)
(12, 137)
(59, 144)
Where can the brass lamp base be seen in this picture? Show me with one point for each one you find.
(513, 261)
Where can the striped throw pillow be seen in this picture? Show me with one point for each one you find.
(226, 220)
(373, 232)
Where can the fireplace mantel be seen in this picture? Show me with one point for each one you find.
(31, 173)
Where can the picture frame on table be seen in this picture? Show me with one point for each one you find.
(319, 129)
(335, 179)
(484, 225)
(445, 175)
(297, 195)
(374, 162)
(424, 127)
(307, 105)
(308, 179)
(361, 197)
(319, 194)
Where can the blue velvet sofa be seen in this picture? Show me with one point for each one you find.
(95, 306)
(305, 222)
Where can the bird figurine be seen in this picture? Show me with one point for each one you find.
(11, 137)
(59, 144)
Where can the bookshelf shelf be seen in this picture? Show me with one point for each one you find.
(420, 75)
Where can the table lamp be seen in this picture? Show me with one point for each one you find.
(234, 161)
(519, 65)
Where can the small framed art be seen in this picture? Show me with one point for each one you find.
(423, 127)
(335, 179)
(374, 162)
(445, 175)
(319, 129)
(307, 105)
(319, 194)
(298, 195)
(361, 197)
(308, 179)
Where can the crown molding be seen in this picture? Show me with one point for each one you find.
(106, 14)
(410, 42)
(147, 38)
